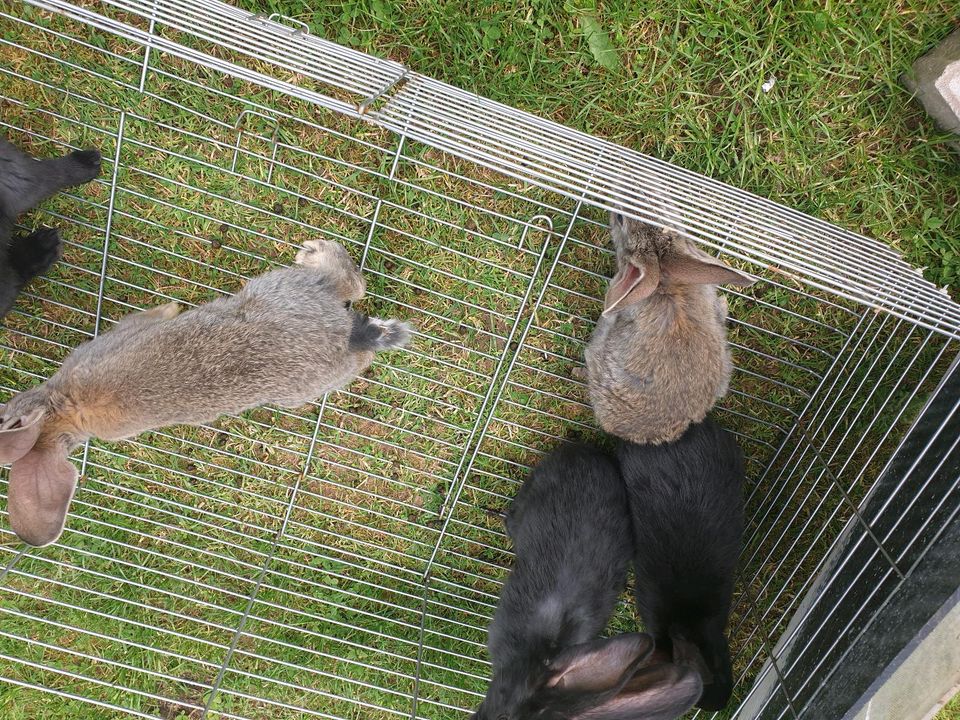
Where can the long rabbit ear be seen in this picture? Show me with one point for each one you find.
(42, 484)
(657, 692)
(687, 654)
(18, 434)
(632, 283)
(684, 269)
(599, 666)
(713, 667)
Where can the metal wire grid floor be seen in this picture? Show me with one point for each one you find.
(342, 561)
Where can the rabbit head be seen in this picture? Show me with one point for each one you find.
(42, 480)
(333, 260)
(649, 257)
(620, 678)
(713, 663)
(703, 646)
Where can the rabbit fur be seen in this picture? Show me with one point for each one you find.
(658, 359)
(686, 503)
(24, 183)
(571, 533)
(286, 338)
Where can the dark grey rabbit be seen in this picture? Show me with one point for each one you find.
(287, 337)
(658, 359)
(686, 501)
(571, 534)
(24, 183)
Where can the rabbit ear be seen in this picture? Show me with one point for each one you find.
(18, 434)
(687, 654)
(713, 666)
(599, 666)
(42, 483)
(684, 269)
(631, 284)
(657, 692)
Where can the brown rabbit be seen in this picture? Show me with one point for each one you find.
(286, 338)
(658, 359)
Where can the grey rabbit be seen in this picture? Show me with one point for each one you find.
(571, 533)
(286, 337)
(658, 359)
(686, 501)
(24, 183)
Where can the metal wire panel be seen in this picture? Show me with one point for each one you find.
(528, 148)
(342, 560)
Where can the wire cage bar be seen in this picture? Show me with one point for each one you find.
(342, 560)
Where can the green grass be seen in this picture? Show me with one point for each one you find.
(950, 711)
(171, 531)
(836, 137)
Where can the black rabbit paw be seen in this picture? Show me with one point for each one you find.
(88, 164)
(35, 254)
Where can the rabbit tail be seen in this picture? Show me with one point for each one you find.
(374, 334)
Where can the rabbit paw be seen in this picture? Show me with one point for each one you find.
(88, 158)
(86, 165)
(34, 254)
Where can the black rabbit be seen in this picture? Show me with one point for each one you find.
(686, 502)
(571, 534)
(24, 183)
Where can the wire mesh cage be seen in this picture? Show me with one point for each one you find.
(343, 560)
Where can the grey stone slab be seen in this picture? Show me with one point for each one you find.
(934, 79)
(914, 684)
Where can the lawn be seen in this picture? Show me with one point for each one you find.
(836, 136)
(950, 711)
(172, 570)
